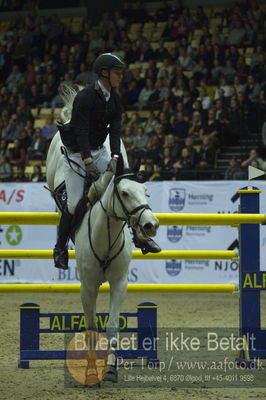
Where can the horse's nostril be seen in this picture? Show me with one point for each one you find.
(148, 226)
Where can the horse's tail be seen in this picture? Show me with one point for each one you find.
(67, 94)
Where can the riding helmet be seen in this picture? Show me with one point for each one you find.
(107, 61)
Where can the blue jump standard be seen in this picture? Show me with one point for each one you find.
(251, 280)
(30, 317)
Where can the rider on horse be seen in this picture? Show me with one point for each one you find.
(96, 113)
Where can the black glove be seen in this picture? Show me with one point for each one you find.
(92, 171)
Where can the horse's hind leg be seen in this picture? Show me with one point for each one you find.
(118, 291)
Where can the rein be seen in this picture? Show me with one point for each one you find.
(70, 162)
(107, 261)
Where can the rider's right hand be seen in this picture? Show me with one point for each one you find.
(92, 171)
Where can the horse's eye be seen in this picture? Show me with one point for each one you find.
(124, 194)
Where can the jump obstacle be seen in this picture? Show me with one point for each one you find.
(251, 279)
(30, 331)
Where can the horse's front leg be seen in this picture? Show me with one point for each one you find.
(118, 291)
(89, 293)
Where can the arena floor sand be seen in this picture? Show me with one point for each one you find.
(45, 379)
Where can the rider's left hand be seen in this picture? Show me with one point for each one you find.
(92, 171)
(112, 165)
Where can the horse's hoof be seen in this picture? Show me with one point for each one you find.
(110, 378)
(96, 386)
(92, 380)
(111, 375)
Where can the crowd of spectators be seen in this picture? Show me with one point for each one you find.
(201, 86)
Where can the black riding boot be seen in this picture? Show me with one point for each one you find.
(60, 249)
(146, 245)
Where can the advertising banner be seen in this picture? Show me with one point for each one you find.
(165, 197)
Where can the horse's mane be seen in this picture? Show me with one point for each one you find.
(68, 94)
(98, 188)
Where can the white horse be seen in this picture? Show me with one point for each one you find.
(103, 242)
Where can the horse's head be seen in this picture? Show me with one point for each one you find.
(130, 201)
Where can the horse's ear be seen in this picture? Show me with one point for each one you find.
(137, 164)
(119, 166)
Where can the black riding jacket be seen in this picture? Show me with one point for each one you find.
(93, 118)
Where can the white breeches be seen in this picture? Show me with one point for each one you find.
(74, 182)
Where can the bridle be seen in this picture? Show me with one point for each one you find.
(128, 214)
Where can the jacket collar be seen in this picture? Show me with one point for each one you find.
(99, 90)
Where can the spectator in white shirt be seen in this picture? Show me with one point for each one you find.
(140, 140)
(252, 89)
(236, 34)
(145, 93)
(239, 87)
(204, 98)
(185, 59)
(222, 85)
(165, 67)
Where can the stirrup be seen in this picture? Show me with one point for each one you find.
(60, 257)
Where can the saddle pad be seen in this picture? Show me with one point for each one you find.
(60, 196)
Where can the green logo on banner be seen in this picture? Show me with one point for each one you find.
(13, 235)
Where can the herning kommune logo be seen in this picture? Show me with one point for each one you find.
(173, 267)
(174, 233)
(177, 199)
